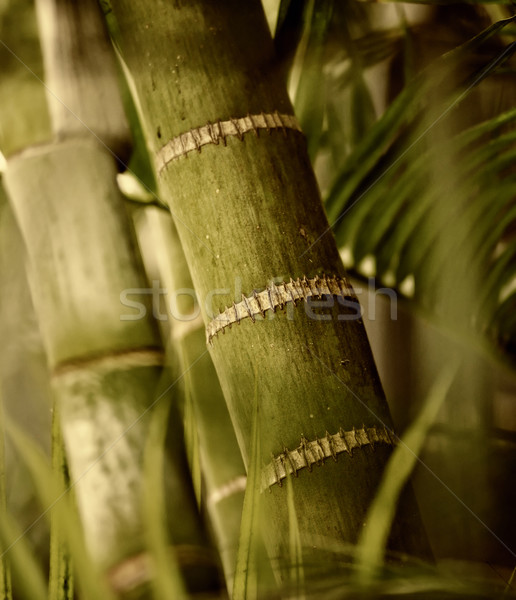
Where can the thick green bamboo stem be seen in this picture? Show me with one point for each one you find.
(233, 165)
(221, 462)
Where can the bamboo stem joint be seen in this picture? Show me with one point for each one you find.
(314, 452)
(277, 296)
(212, 133)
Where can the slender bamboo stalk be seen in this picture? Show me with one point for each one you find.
(222, 468)
(233, 166)
(106, 367)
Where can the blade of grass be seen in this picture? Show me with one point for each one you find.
(61, 569)
(167, 581)
(29, 581)
(309, 101)
(297, 573)
(56, 499)
(192, 440)
(372, 543)
(401, 111)
(245, 584)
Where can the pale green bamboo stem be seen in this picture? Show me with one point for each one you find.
(81, 75)
(92, 353)
(247, 208)
(106, 370)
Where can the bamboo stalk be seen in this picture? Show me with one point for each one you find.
(222, 468)
(81, 75)
(104, 370)
(234, 169)
(106, 367)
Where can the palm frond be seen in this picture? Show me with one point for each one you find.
(427, 191)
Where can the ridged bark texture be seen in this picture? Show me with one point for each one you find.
(248, 211)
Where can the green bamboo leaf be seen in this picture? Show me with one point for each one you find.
(245, 584)
(408, 223)
(56, 499)
(296, 577)
(363, 114)
(309, 101)
(471, 184)
(473, 251)
(372, 542)
(167, 581)
(396, 214)
(61, 585)
(401, 111)
(28, 578)
(192, 441)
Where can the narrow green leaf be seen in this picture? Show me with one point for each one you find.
(397, 212)
(245, 584)
(372, 543)
(297, 573)
(402, 110)
(310, 99)
(61, 569)
(167, 581)
(56, 499)
(192, 440)
(27, 575)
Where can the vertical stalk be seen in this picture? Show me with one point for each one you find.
(222, 468)
(5, 571)
(234, 169)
